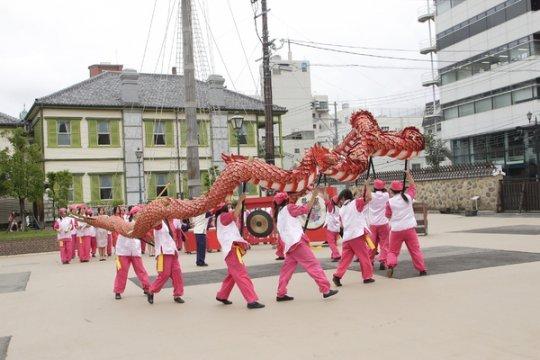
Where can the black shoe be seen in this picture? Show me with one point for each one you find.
(280, 258)
(203, 264)
(117, 296)
(102, 259)
(150, 298)
(390, 272)
(368, 281)
(336, 259)
(423, 273)
(145, 292)
(93, 255)
(330, 293)
(224, 301)
(336, 280)
(284, 298)
(255, 305)
(382, 266)
(178, 299)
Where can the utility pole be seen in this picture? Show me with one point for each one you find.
(336, 137)
(267, 88)
(190, 103)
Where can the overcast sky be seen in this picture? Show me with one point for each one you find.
(48, 45)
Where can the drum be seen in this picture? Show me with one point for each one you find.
(318, 212)
(259, 223)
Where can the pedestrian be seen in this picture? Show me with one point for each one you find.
(200, 226)
(167, 263)
(333, 225)
(378, 222)
(102, 237)
(403, 226)
(297, 250)
(233, 248)
(63, 226)
(128, 253)
(355, 232)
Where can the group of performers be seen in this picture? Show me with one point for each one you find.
(367, 220)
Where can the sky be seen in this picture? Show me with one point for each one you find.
(48, 45)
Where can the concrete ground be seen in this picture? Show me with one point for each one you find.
(489, 311)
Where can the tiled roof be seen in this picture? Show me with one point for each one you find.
(155, 90)
(8, 120)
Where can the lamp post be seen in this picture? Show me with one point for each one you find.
(139, 155)
(237, 122)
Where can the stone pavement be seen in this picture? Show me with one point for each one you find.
(480, 301)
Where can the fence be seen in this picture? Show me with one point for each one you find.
(520, 195)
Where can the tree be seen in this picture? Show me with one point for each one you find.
(436, 151)
(58, 188)
(22, 170)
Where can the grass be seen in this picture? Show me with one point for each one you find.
(26, 235)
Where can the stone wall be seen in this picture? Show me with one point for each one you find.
(28, 246)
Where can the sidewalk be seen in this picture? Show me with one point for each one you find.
(488, 311)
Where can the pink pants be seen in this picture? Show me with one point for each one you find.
(109, 244)
(122, 273)
(84, 248)
(379, 235)
(355, 247)
(93, 245)
(237, 274)
(301, 254)
(410, 238)
(171, 269)
(66, 250)
(179, 239)
(74, 246)
(280, 248)
(331, 239)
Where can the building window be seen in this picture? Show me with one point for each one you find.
(161, 184)
(297, 151)
(466, 109)
(64, 133)
(522, 95)
(385, 128)
(70, 193)
(502, 100)
(416, 166)
(315, 126)
(439, 127)
(103, 132)
(159, 133)
(242, 137)
(105, 187)
(450, 113)
(482, 105)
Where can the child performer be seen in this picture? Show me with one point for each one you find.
(85, 238)
(128, 252)
(233, 247)
(91, 231)
(168, 264)
(63, 226)
(74, 240)
(403, 223)
(102, 237)
(355, 230)
(378, 222)
(297, 250)
(333, 226)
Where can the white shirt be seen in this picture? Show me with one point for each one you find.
(377, 208)
(200, 224)
(127, 246)
(289, 228)
(227, 235)
(163, 241)
(354, 221)
(101, 237)
(64, 228)
(332, 219)
(402, 213)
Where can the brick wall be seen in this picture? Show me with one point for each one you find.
(28, 246)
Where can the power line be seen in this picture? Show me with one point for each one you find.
(148, 35)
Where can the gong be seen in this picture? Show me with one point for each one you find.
(259, 223)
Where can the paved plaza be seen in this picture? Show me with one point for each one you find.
(480, 301)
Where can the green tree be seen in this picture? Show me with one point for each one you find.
(22, 169)
(58, 188)
(436, 151)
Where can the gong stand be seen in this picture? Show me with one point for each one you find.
(309, 213)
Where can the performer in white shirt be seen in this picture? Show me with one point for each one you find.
(378, 222)
(63, 226)
(102, 237)
(333, 226)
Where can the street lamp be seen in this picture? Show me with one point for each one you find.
(237, 122)
(139, 155)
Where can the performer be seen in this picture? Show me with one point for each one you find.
(128, 252)
(117, 211)
(354, 235)
(233, 247)
(74, 240)
(168, 264)
(378, 222)
(84, 237)
(333, 225)
(297, 250)
(403, 226)
(102, 238)
(63, 226)
(179, 226)
(91, 231)
(280, 248)
(200, 226)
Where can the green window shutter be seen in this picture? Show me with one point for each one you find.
(52, 140)
(117, 187)
(75, 133)
(92, 133)
(151, 190)
(94, 189)
(203, 133)
(252, 189)
(184, 185)
(169, 134)
(183, 133)
(250, 134)
(232, 136)
(205, 180)
(149, 133)
(77, 189)
(114, 128)
(172, 188)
